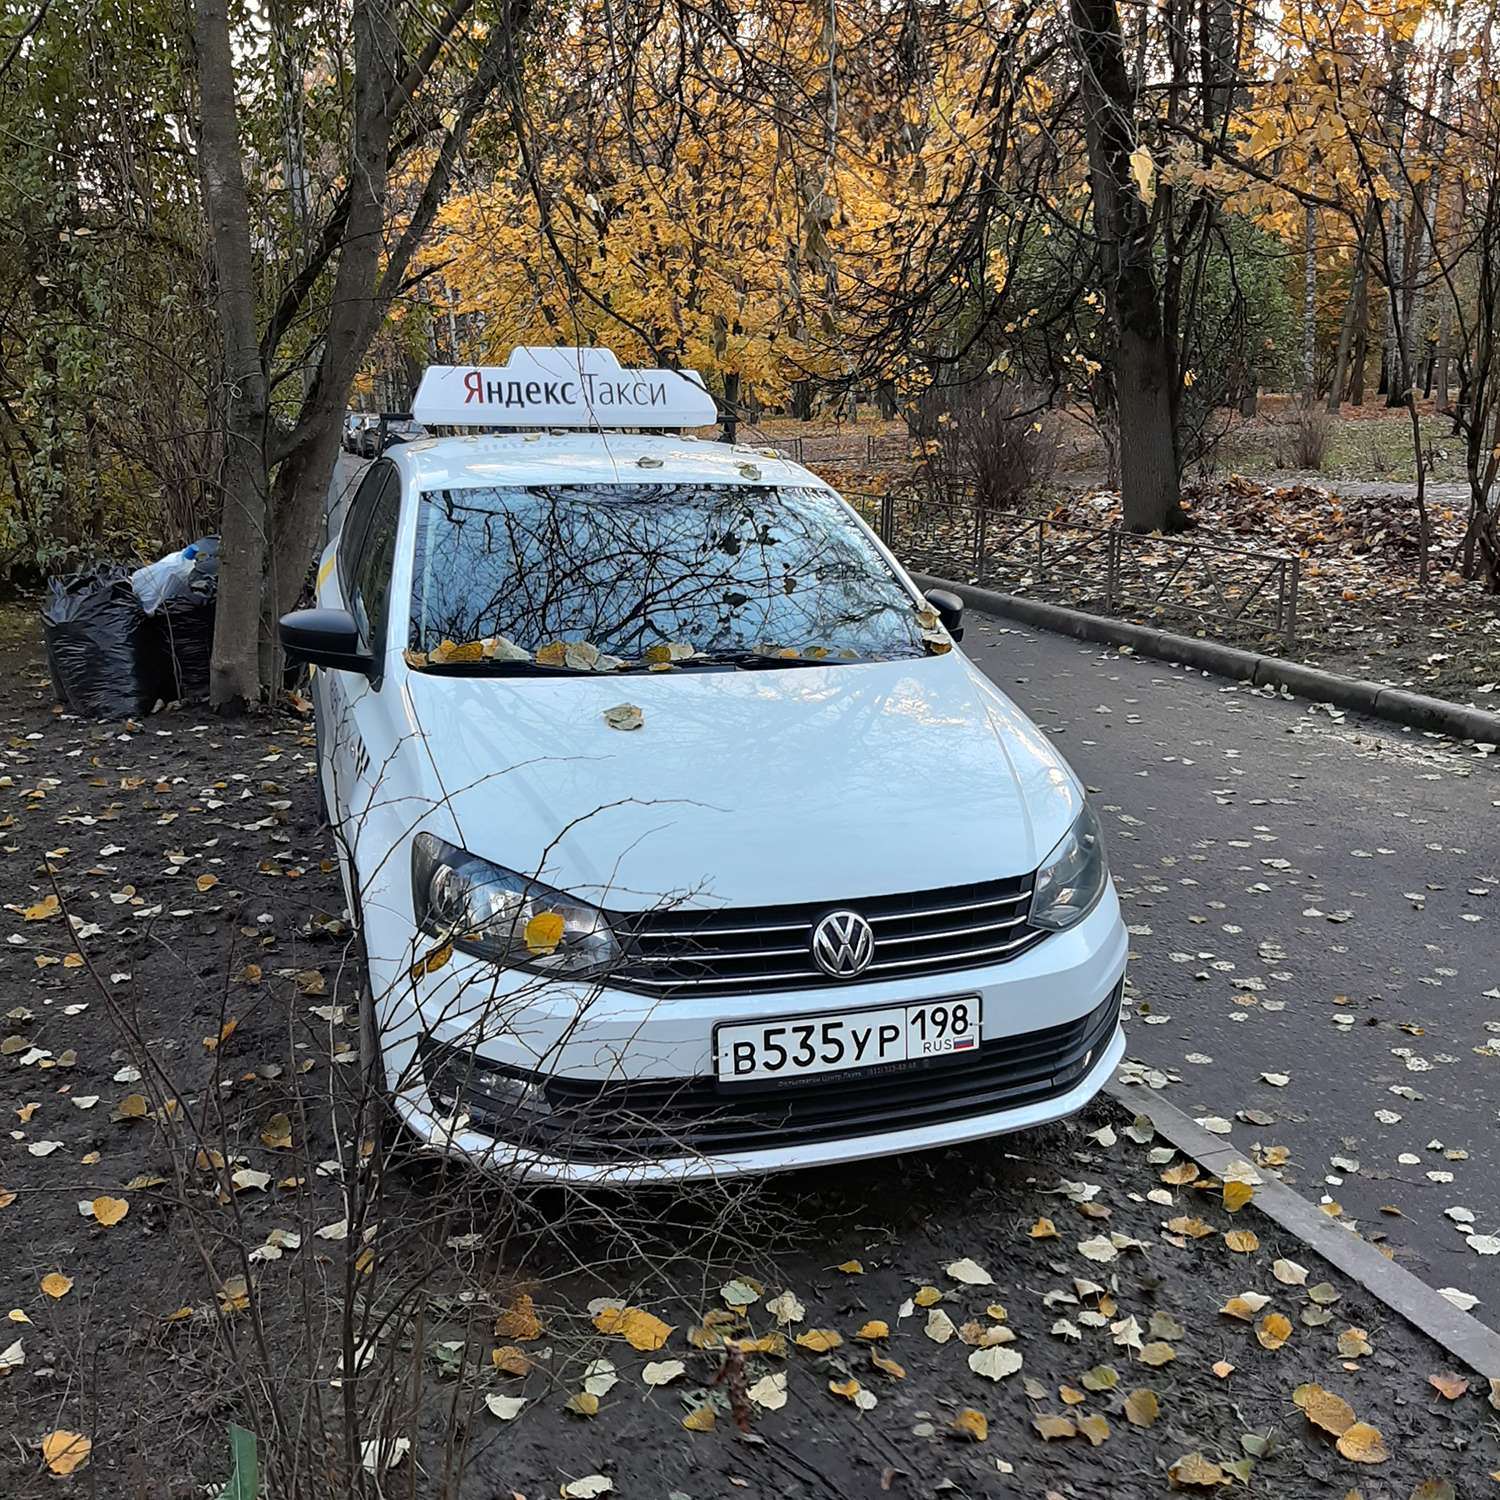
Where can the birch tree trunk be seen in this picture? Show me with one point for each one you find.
(1309, 304)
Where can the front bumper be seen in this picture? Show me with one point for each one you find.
(616, 1090)
(528, 1164)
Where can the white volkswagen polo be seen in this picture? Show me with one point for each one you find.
(681, 839)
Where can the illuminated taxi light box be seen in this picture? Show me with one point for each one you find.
(543, 387)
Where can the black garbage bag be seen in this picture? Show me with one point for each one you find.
(186, 621)
(105, 653)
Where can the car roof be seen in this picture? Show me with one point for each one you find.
(591, 458)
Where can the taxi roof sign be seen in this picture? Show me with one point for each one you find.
(547, 387)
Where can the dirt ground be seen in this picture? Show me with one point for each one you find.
(198, 1067)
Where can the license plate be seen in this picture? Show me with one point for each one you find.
(768, 1053)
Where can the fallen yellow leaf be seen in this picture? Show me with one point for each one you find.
(819, 1340)
(519, 1321)
(65, 1451)
(1242, 1241)
(110, 1210)
(586, 1404)
(278, 1133)
(1182, 1174)
(1363, 1444)
(1194, 1227)
(1274, 1331)
(1094, 1428)
(45, 908)
(510, 1360)
(1072, 1397)
(701, 1420)
(1355, 1342)
(640, 1329)
(1237, 1195)
(55, 1284)
(225, 1032)
(972, 1424)
(1193, 1468)
(1142, 1408)
(852, 1268)
(874, 1329)
(207, 882)
(1324, 1409)
(1044, 1229)
(891, 1368)
(1052, 1428)
(929, 1296)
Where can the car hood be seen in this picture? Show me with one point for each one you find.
(746, 788)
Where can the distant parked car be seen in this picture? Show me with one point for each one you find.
(355, 424)
(399, 430)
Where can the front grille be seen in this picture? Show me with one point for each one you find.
(743, 950)
(586, 1120)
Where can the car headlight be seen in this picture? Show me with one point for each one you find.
(510, 919)
(1070, 883)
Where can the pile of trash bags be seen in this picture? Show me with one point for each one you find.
(121, 640)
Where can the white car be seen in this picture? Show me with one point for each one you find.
(681, 839)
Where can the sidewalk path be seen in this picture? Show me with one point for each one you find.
(1311, 897)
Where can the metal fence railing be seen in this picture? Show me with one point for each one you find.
(860, 449)
(1090, 566)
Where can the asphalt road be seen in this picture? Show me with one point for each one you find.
(1313, 897)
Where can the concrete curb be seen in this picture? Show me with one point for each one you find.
(1394, 704)
(1463, 1336)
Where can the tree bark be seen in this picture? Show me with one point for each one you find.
(1398, 334)
(1149, 490)
(1346, 326)
(1445, 325)
(234, 669)
(1309, 303)
(1361, 356)
(269, 528)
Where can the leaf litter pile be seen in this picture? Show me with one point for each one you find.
(1067, 1311)
(1361, 611)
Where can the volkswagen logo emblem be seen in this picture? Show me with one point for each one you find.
(843, 944)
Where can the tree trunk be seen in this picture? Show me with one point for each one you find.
(1445, 325)
(234, 668)
(1148, 458)
(1309, 304)
(1398, 334)
(1361, 356)
(1346, 331)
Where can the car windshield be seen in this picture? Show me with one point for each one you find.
(631, 569)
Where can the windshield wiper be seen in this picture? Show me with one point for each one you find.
(489, 667)
(752, 660)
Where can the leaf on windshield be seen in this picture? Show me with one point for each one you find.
(446, 651)
(581, 656)
(414, 659)
(938, 642)
(552, 654)
(498, 648)
(673, 651)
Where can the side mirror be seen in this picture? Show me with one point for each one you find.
(950, 610)
(326, 638)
